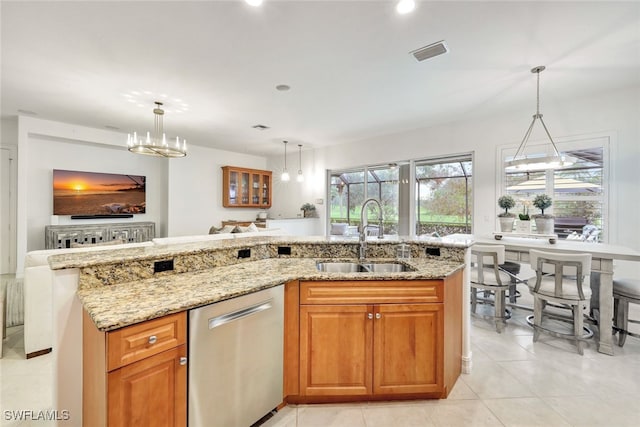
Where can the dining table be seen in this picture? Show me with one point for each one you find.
(602, 258)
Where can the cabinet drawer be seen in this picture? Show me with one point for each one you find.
(136, 342)
(371, 292)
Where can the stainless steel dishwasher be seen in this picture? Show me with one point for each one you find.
(236, 359)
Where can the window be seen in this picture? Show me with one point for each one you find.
(349, 189)
(440, 200)
(578, 191)
(444, 195)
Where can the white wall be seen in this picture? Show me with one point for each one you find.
(288, 197)
(184, 196)
(45, 145)
(195, 190)
(614, 113)
(9, 146)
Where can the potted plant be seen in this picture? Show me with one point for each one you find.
(506, 218)
(544, 222)
(524, 220)
(309, 210)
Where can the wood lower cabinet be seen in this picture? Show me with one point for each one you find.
(407, 346)
(373, 339)
(137, 375)
(335, 350)
(151, 392)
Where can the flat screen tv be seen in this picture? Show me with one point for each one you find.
(95, 194)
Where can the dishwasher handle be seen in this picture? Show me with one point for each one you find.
(214, 322)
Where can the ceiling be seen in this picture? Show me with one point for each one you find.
(347, 63)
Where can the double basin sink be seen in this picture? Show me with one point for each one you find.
(362, 267)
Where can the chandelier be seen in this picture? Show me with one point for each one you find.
(156, 144)
(520, 161)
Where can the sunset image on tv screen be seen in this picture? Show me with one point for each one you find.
(91, 193)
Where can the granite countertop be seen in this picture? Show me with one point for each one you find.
(86, 259)
(113, 307)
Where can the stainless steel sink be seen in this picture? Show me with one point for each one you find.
(338, 267)
(365, 267)
(386, 267)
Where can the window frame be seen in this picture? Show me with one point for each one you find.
(580, 142)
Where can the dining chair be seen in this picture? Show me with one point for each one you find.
(561, 279)
(485, 275)
(625, 291)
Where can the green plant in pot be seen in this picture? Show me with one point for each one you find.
(309, 210)
(506, 218)
(544, 222)
(524, 220)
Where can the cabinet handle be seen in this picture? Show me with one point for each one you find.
(153, 339)
(370, 315)
(183, 360)
(378, 315)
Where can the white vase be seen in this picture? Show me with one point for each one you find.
(523, 227)
(506, 224)
(544, 225)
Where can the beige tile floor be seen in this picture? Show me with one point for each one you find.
(514, 382)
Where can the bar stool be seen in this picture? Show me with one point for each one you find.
(560, 279)
(486, 276)
(625, 291)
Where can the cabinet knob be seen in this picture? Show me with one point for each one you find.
(370, 315)
(183, 360)
(378, 315)
(153, 339)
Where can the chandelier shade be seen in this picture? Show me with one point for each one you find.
(520, 161)
(156, 144)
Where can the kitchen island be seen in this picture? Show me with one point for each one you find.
(119, 288)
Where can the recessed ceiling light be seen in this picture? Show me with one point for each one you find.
(254, 3)
(405, 6)
(260, 127)
(283, 88)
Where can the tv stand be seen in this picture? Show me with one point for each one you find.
(63, 236)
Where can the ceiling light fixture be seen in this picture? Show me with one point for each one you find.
(156, 144)
(285, 175)
(520, 161)
(405, 6)
(254, 3)
(300, 177)
(429, 51)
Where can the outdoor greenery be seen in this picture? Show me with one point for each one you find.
(443, 196)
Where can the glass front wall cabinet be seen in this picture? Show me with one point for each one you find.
(246, 188)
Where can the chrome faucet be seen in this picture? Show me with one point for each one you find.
(363, 227)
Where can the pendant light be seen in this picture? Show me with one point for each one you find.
(300, 177)
(285, 175)
(520, 161)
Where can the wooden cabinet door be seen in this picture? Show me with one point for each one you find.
(408, 348)
(246, 188)
(151, 392)
(335, 349)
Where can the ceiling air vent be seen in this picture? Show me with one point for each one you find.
(260, 127)
(434, 49)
